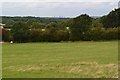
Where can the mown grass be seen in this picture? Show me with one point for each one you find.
(61, 60)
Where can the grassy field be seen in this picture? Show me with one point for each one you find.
(61, 60)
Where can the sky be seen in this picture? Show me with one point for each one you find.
(56, 8)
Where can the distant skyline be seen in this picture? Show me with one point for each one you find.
(57, 9)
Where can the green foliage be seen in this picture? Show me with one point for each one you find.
(34, 35)
(52, 25)
(96, 34)
(83, 27)
(9, 21)
(112, 33)
(20, 32)
(6, 35)
(79, 25)
(48, 35)
(37, 25)
(112, 19)
(97, 23)
(0, 34)
(61, 35)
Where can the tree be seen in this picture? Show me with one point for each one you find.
(52, 25)
(35, 35)
(94, 34)
(9, 23)
(20, 32)
(79, 25)
(61, 35)
(97, 23)
(6, 36)
(37, 25)
(112, 19)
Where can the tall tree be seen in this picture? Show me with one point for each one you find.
(20, 32)
(112, 19)
(79, 25)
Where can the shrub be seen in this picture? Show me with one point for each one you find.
(34, 35)
(61, 35)
(0, 34)
(96, 34)
(111, 34)
(6, 35)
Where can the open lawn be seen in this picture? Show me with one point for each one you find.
(61, 60)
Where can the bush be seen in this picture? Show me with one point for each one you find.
(96, 34)
(61, 35)
(0, 34)
(6, 35)
(111, 34)
(49, 35)
(34, 35)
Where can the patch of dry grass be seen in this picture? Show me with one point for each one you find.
(86, 69)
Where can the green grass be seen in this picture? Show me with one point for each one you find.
(61, 60)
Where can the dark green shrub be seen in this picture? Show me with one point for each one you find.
(6, 35)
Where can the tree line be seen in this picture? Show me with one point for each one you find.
(83, 27)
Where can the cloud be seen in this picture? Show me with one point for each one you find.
(59, 0)
(0, 8)
(70, 9)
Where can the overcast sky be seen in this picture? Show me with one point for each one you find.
(56, 8)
